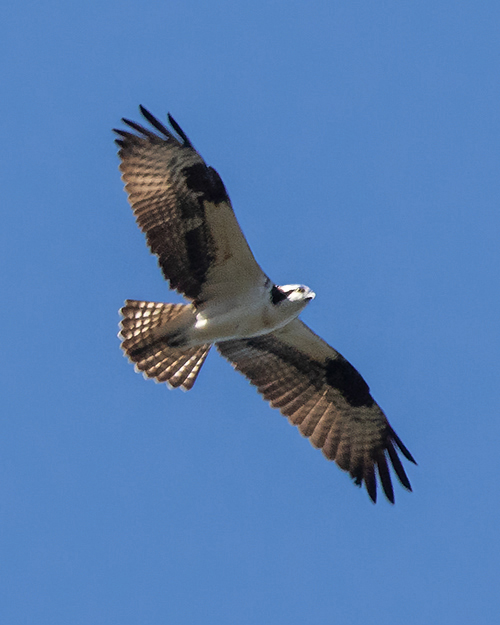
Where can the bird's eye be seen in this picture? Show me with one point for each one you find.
(301, 289)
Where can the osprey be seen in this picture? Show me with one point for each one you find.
(182, 206)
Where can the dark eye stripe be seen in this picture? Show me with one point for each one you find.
(277, 295)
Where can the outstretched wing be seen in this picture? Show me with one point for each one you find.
(324, 395)
(182, 206)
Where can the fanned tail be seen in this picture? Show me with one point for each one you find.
(144, 330)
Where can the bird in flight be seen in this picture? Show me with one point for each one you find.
(183, 208)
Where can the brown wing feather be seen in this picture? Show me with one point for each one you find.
(182, 206)
(321, 393)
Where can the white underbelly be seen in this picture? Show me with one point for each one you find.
(253, 319)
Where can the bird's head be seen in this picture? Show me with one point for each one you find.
(292, 295)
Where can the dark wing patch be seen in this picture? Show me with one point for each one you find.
(169, 185)
(206, 181)
(340, 374)
(326, 398)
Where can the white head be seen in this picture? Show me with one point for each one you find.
(297, 295)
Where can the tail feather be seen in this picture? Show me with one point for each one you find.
(143, 332)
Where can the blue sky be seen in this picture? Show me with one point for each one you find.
(360, 145)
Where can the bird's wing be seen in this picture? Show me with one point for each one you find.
(326, 398)
(182, 206)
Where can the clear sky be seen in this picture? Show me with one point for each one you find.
(360, 144)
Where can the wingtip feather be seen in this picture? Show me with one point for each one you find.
(179, 131)
(385, 478)
(402, 447)
(398, 467)
(154, 122)
(370, 482)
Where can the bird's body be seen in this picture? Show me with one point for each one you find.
(182, 206)
(248, 314)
